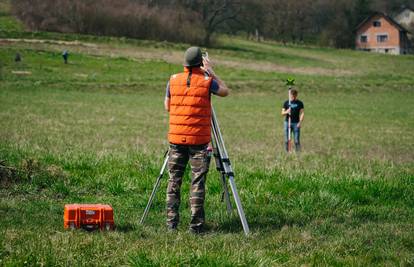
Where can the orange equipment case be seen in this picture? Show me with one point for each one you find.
(88, 216)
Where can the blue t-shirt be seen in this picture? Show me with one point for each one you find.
(214, 87)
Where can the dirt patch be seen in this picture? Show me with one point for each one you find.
(270, 67)
(20, 72)
(46, 41)
(8, 174)
(173, 57)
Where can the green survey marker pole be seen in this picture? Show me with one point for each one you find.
(289, 82)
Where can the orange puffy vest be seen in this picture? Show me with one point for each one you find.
(190, 108)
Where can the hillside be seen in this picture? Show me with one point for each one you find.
(94, 131)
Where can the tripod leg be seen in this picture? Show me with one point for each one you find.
(226, 167)
(226, 194)
(239, 205)
(220, 169)
(154, 190)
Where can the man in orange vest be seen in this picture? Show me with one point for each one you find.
(188, 103)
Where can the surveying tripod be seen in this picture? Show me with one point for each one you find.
(223, 165)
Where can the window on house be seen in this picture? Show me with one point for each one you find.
(364, 39)
(382, 38)
(376, 23)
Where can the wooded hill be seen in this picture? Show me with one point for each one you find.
(321, 22)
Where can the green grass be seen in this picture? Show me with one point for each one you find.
(8, 23)
(94, 131)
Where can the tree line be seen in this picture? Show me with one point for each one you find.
(321, 22)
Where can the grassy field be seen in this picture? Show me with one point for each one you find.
(94, 131)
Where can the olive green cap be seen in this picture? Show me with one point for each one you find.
(193, 57)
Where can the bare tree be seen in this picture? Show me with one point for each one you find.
(213, 13)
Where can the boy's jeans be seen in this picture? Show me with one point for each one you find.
(296, 135)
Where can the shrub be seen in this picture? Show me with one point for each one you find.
(111, 18)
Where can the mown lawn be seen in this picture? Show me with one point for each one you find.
(94, 131)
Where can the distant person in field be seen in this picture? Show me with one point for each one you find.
(297, 113)
(187, 100)
(65, 56)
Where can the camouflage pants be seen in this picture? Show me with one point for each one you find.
(179, 155)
